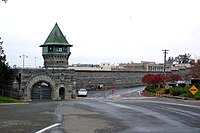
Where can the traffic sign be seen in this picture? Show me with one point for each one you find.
(113, 90)
(193, 90)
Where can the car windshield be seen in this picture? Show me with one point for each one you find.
(82, 90)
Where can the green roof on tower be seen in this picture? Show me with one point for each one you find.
(56, 37)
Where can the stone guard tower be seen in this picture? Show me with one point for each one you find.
(53, 82)
(56, 49)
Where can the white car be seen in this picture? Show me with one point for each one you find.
(82, 92)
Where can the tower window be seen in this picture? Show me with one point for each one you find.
(50, 49)
(60, 49)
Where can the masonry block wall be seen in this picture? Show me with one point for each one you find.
(109, 79)
(82, 78)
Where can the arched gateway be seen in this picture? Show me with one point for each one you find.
(41, 87)
(41, 90)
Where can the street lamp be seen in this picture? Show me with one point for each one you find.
(15, 84)
(35, 61)
(23, 56)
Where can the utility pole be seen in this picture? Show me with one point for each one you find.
(23, 56)
(165, 53)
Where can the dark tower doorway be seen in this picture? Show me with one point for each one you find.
(62, 93)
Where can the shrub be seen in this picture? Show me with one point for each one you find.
(166, 91)
(152, 89)
(197, 95)
(188, 94)
(178, 91)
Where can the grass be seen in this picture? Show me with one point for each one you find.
(197, 95)
(9, 100)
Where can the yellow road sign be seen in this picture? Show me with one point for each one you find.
(193, 90)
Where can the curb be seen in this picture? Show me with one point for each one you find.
(177, 97)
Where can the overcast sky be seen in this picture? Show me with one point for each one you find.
(116, 31)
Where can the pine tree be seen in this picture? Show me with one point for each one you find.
(3, 65)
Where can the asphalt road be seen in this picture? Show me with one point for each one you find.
(100, 113)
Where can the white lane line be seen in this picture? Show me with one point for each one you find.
(47, 128)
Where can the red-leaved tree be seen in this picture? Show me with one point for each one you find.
(172, 77)
(154, 79)
(160, 79)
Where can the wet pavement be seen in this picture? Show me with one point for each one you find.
(128, 112)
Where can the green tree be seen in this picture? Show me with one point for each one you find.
(171, 60)
(3, 65)
(183, 59)
(2, 55)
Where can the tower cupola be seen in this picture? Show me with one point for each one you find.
(56, 49)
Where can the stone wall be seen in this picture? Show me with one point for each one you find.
(82, 78)
(109, 79)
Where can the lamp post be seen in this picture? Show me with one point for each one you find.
(16, 87)
(35, 61)
(15, 84)
(23, 57)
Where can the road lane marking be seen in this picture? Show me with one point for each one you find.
(47, 128)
